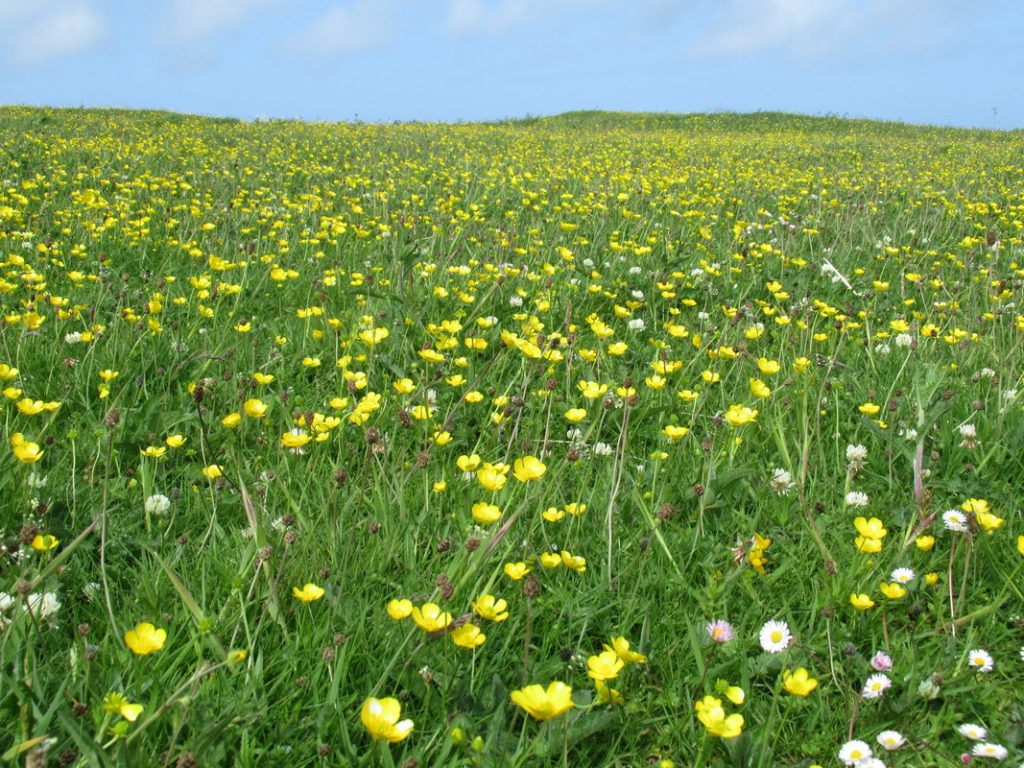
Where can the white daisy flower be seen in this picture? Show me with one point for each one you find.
(993, 751)
(955, 520)
(972, 731)
(775, 636)
(853, 752)
(876, 685)
(981, 660)
(891, 740)
(902, 575)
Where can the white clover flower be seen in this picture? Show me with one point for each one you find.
(635, 270)
(603, 449)
(636, 324)
(781, 482)
(35, 481)
(882, 349)
(856, 452)
(42, 606)
(857, 499)
(515, 301)
(988, 373)
(72, 338)
(157, 504)
(6, 601)
(904, 340)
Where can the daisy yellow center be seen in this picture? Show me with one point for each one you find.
(776, 636)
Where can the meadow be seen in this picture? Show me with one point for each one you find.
(594, 440)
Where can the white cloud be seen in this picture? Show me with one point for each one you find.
(34, 33)
(747, 26)
(347, 30)
(194, 21)
(467, 18)
(818, 28)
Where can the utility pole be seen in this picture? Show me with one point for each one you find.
(995, 118)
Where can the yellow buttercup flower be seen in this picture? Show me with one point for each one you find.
(713, 717)
(491, 608)
(893, 590)
(870, 529)
(486, 513)
(576, 415)
(988, 522)
(604, 666)
(254, 408)
(674, 432)
(145, 639)
(861, 602)
(516, 571)
(925, 543)
(542, 703)
(739, 415)
(492, 477)
(399, 609)
(468, 636)
(574, 562)
(430, 618)
(44, 542)
(308, 593)
(620, 645)
(381, 718)
(798, 682)
(528, 468)
(25, 450)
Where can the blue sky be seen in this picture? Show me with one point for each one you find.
(929, 61)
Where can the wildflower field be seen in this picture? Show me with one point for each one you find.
(597, 440)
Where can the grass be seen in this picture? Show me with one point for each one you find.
(334, 320)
